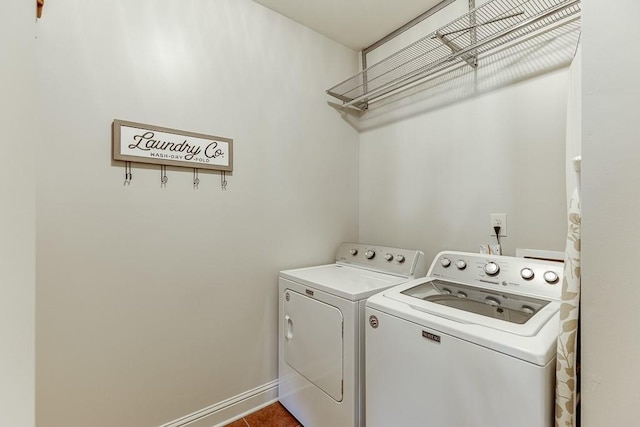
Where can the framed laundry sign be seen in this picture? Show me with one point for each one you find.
(137, 142)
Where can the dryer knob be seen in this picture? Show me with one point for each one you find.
(400, 258)
(369, 254)
(491, 268)
(550, 277)
(445, 262)
(388, 257)
(461, 264)
(353, 252)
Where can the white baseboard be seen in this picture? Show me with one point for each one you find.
(229, 410)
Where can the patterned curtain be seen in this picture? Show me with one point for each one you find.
(568, 357)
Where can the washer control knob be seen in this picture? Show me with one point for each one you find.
(446, 291)
(461, 264)
(461, 294)
(353, 252)
(400, 258)
(491, 268)
(550, 276)
(370, 253)
(527, 273)
(445, 262)
(388, 257)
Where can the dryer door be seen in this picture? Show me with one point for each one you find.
(313, 341)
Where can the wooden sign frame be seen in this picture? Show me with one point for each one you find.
(141, 143)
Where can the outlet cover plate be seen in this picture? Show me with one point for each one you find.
(499, 219)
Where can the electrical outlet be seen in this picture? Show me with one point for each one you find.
(499, 220)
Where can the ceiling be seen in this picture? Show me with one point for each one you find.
(354, 23)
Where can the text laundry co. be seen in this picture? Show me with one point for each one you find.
(147, 142)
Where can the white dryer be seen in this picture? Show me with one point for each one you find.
(321, 338)
(471, 345)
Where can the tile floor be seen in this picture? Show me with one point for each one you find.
(274, 415)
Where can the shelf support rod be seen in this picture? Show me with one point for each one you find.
(558, 8)
(474, 30)
(469, 59)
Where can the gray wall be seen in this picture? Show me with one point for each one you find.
(18, 140)
(157, 302)
(610, 206)
(433, 180)
(147, 310)
(435, 164)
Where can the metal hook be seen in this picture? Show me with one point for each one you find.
(128, 176)
(196, 179)
(223, 180)
(163, 176)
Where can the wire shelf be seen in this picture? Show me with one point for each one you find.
(484, 28)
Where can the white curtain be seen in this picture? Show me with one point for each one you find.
(567, 363)
(568, 357)
(574, 123)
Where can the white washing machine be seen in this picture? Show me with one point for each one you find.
(321, 339)
(473, 344)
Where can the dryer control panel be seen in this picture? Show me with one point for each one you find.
(520, 275)
(407, 263)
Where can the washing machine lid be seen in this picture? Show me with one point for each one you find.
(512, 313)
(345, 281)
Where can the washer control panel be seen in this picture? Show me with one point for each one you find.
(401, 262)
(521, 275)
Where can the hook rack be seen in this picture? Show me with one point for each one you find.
(128, 177)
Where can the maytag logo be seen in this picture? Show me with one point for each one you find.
(430, 336)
